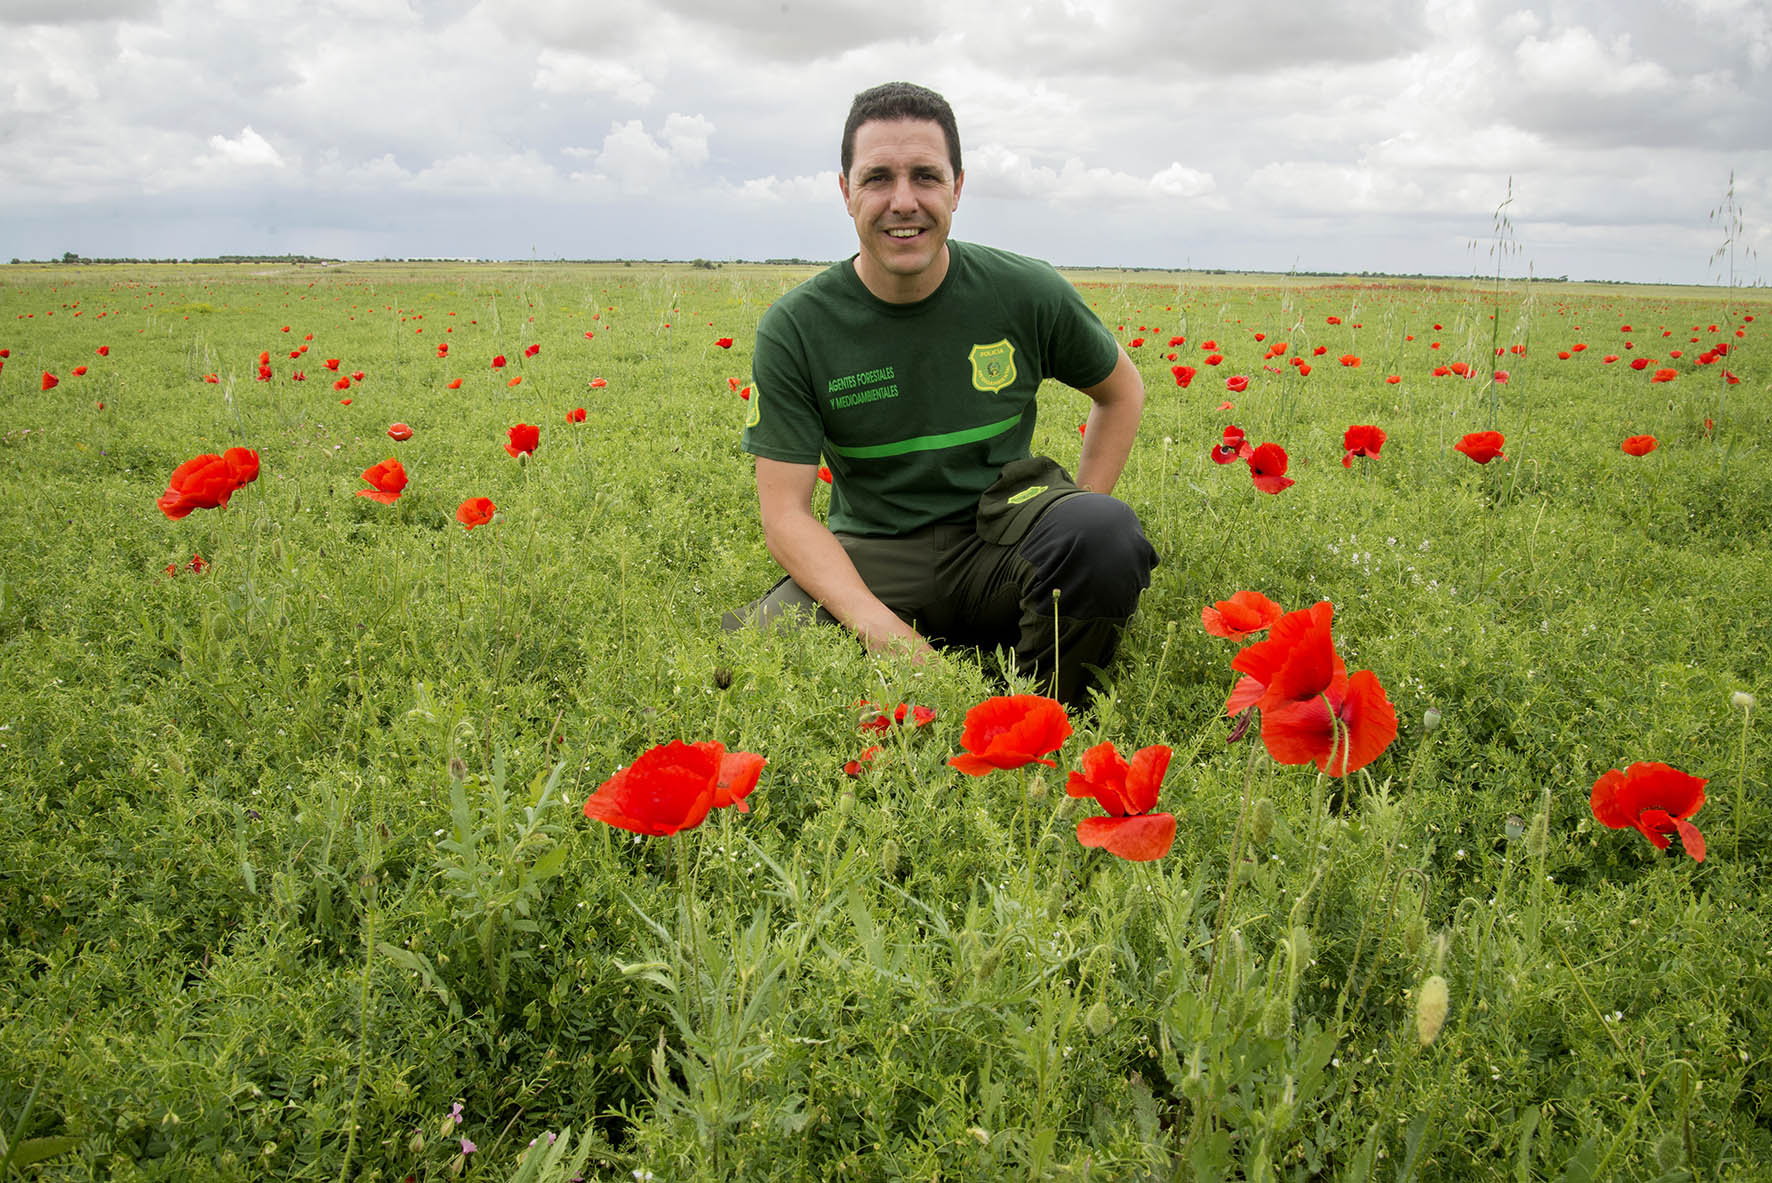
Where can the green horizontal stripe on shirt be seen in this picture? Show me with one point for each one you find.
(926, 443)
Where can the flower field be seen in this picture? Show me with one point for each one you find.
(384, 801)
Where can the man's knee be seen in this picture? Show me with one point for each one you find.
(786, 605)
(1092, 551)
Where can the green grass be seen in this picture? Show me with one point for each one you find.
(292, 857)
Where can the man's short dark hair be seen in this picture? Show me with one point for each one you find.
(892, 101)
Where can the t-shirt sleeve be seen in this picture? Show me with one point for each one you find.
(784, 422)
(1080, 349)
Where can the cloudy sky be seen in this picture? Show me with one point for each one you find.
(1316, 135)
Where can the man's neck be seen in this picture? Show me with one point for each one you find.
(903, 289)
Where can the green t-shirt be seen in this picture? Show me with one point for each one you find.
(915, 407)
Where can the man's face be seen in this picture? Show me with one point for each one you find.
(902, 194)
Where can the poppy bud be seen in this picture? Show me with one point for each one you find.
(1514, 826)
(889, 856)
(1430, 720)
(1276, 1018)
(1261, 822)
(458, 769)
(1245, 872)
(1415, 934)
(1742, 700)
(1430, 1009)
(846, 803)
(987, 965)
(1037, 788)
(722, 678)
(1099, 1020)
(1670, 1151)
(1538, 835)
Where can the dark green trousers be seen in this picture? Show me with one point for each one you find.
(1067, 586)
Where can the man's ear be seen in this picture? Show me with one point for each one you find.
(843, 188)
(959, 179)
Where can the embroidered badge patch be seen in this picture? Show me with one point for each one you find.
(993, 366)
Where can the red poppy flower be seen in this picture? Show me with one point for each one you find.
(264, 356)
(1731, 379)
(343, 383)
(344, 402)
(1243, 615)
(356, 375)
(1350, 360)
(242, 465)
(104, 351)
(1304, 370)
(1639, 445)
(1236, 383)
(531, 351)
(1655, 800)
(212, 379)
(298, 376)
(332, 363)
(1482, 446)
(455, 384)
(1277, 349)
(517, 381)
(50, 381)
(1319, 351)
(1665, 375)
(1267, 467)
(575, 415)
(673, 787)
(854, 767)
(1640, 363)
(1128, 791)
(1461, 369)
(1011, 731)
(824, 473)
(1183, 375)
(1235, 446)
(1213, 359)
(1208, 346)
(1334, 320)
(1361, 440)
(724, 342)
(1174, 341)
(399, 431)
(475, 511)
(197, 565)
(1340, 735)
(1295, 664)
(1609, 359)
(920, 716)
(1563, 355)
(443, 349)
(388, 479)
(202, 482)
(598, 383)
(1501, 377)
(523, 439)
(79, 371)
(498, 363)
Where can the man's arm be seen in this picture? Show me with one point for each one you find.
(807, 550)
(1112, 426)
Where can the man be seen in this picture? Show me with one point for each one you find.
(912, 369)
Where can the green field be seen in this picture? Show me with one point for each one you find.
(292, 853)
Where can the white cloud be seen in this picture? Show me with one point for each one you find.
(818, 189)
(568, 72)
(639, 164)
(1001, 172)
(1575, 62)
(248, 150)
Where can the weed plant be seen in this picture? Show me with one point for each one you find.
(295, 882)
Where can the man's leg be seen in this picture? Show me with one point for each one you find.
(786, 605)
(1088, 549)
(898, 570)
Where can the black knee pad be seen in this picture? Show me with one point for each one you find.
(1091, 549)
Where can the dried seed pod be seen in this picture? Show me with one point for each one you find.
(1431, 1005)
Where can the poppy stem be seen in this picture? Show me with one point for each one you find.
(1230, 882)
(1747, 713)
